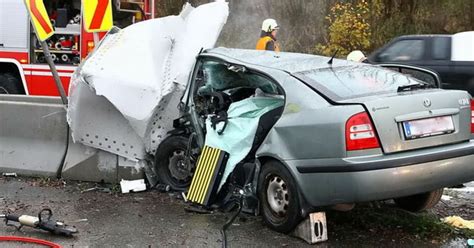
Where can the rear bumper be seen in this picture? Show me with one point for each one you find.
(330, 181)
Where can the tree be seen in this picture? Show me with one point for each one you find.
(348, 30)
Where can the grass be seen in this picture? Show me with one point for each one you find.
(379, 220)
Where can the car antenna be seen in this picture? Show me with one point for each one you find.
(332, 58)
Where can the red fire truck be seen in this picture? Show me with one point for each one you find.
(23, 69)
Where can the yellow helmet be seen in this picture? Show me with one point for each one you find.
(269, 25)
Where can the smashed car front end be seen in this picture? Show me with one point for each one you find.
(124, 95)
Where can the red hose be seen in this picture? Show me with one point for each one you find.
(29, 240)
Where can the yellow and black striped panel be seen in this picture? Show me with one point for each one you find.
(207, 176)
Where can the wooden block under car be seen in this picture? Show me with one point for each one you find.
(313, 229)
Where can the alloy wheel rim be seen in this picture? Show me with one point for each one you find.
(278, 195)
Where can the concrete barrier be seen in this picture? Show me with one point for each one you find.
(35, 141)
(33, 135)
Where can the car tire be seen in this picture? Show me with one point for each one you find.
(278, 195)
(170, 163)
(419, 202)
(9, 84)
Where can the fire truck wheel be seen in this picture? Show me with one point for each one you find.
(9, 84)
(174, 168)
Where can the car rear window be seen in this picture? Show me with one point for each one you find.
(348, 82)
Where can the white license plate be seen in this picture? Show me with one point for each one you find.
(428, 127)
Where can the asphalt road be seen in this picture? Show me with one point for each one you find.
(154, 219)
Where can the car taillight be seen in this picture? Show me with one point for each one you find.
(360, 133)
(472, 115)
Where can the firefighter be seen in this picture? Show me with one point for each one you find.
(267, 39)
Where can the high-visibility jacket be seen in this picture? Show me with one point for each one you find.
(262, 44)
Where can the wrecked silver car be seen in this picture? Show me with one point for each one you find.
(309, 134)
(279, 134)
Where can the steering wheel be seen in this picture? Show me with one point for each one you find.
(215, 102)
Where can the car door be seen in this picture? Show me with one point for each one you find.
(192, 101)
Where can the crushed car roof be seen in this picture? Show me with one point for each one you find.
(289, 62)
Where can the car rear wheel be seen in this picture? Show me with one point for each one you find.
(172, 164)
(279, 198)
(419, 202)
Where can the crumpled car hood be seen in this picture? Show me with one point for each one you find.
(134, 74)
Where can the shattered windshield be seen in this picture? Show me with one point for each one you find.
(348, 82)
(218, 77)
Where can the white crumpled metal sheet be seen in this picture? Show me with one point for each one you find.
(141, 71)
